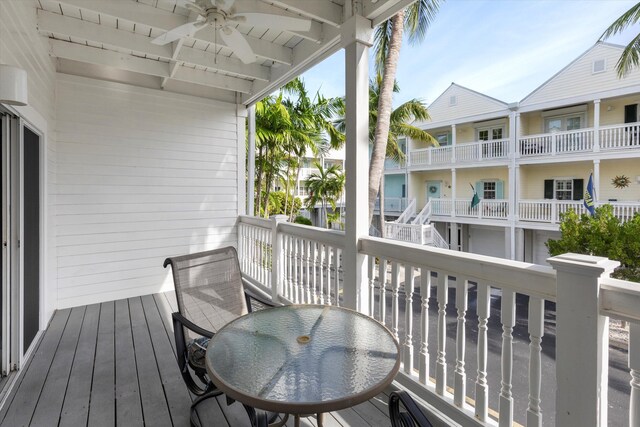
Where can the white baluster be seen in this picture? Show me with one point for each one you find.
(372, 285)
(382, 280)
(460, 378)
(301, 267)
(336, 269)
(328, 253)
(307, 279)
(395, 288)
(536, 331)
(482, 388)
(425, 292)
(295, 247)
(441, 362)
(321, 270)
(409, 276)
(314, 264)
(634, 366)
(285, 262)
(508, 318)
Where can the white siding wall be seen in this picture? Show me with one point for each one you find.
(23, 46)
(142, 175)
(578, 79)
(468, 103)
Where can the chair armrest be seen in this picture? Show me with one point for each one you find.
(249, 295)
(413, 416)
(191, 326)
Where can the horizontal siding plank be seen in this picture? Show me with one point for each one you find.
(142, 199)
(92, 190)
(186, 224)
(135, 236)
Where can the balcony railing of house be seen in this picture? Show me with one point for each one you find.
(483, 150)
(467, 152)
(305, 266)
(392, 204)
(390, 164)
(557, 143)
(620, 136)
(550, 210)
(486, 209)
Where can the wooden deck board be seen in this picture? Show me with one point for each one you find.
(114, 364)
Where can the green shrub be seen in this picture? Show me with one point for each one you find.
(302, 220)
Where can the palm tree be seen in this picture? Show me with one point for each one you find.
(324, 186)
(631, 54)
(399, 125)
(313, 115)
(388, 40)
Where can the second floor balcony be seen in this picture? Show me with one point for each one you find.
(571, 143)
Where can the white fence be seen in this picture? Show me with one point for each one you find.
(551, 210)
(307, 268)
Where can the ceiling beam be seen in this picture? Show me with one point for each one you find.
(163, 20)
(92, 55)
(379, 11)
(323, 11)
(306, 55)
(54, 23)
(256, 6)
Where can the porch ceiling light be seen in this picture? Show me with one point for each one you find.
(13, 85)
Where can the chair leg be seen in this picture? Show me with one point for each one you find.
(194, 419)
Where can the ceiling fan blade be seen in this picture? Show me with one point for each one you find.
(236, 42)
(267, 20)
(185, 30)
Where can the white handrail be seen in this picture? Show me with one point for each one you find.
(408, 212)
(423, 216)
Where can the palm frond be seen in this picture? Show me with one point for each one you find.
(418, 18)
(628, 18)
(629, 58)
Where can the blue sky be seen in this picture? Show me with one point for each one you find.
(503, 48)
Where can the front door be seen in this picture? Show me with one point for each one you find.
(433, 189)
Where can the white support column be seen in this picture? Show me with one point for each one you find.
(518, 191)
(596, 125)
(453, 192)
(596, 180)
(241, 114)
(518, 134)
(582, 340)
(453, 143)
(356, 38)
(251, 161)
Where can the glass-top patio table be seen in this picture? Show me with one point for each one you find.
(303, 359)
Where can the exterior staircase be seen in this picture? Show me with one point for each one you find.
(415, 228)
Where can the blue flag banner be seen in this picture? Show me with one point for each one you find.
(589, 196)
(475, 201)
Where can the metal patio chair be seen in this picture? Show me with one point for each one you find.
(210, 294)
(412, 417)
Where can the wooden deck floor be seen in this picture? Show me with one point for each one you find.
(113, 364)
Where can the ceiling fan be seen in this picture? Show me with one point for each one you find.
(222, 15)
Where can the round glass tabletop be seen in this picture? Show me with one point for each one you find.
(302, 359)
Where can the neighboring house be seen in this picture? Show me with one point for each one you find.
(528, 161)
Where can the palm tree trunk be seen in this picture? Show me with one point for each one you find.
(256, 197)
(286, 187)
(384, 110)
(381, 194)
(296, 186)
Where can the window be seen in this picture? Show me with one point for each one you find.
(564, 189)
(598, 66)
(489, 190)
(490, 133)
(569, 122)
(444, 138)
(453, 100)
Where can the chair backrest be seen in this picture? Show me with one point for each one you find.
(209, 287)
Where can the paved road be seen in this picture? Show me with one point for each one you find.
(619, 389)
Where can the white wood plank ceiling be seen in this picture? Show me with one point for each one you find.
(111, 40)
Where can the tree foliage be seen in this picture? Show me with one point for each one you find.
(325, 186)
(279, 203)
(601, 235)
(630, 56)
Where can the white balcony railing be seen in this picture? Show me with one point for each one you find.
(392, 204)
(483, 150)
(574, 141)
(307, 264)
(496, 209)
(549, 211)
(620, 136)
